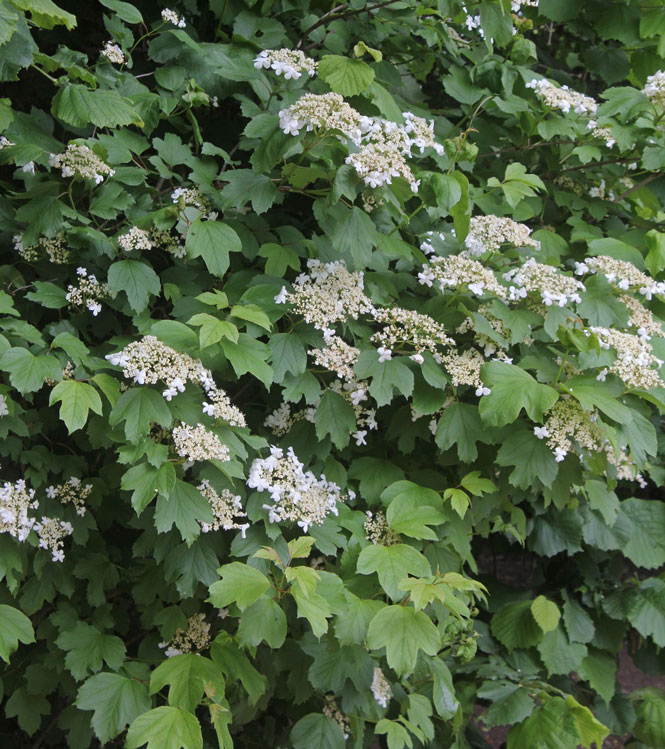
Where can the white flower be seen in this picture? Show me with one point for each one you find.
(359, 437)
(29, 168)
(281, 297)
(602, 375)
(4, 410)
(385, 354)
(139, 376)
(541, 432)
(357, 396)
(482, 390)
(559, 454)
(418, 358)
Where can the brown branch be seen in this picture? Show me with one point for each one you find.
(332, 15)
(645, 181)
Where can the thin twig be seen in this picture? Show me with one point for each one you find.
(331, 15)
(645, 181)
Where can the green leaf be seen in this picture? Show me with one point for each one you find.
(532, 459)
(392, 564)
(403, 631)
(513, 389)
(655, 240)
(46, 14)
(76, 400)
(123, 10)
(312, 607)
(185, 508)
(47, 294)
(263, 621)
(81, 106)
(288, 355)
(559, 655)
(317, 730)
(165, 728)
(344, 75)
(406, 515)
(335, 416)
(646, 545)
(460, 425)
(139, 407)
(245, 185)
(352, 232)
(551, 726)
(650, 709)
(138, 280)
(515, 626)
(249, 355)
(546, 613)
(141, 480)
(213, 241)
(601, 395)
(27, 372)
(188, 675)
(240, 584)
(87, 648)
(646, 610)
(15, 627)
(397, 735)
(251, 313)
(116, 702)
(236, 665)
(599, 669)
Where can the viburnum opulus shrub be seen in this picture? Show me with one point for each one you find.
(312, 312)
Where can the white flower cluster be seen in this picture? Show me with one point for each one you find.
(562, 97)
(517, 5)
(220, 407)
(226, 508)
(184, 196)
(16, 500)
(72, 492)
(622, 273)
(46, 248)
(170, 16)
(600, 191)
(461, 270)
(193, 639)
(383, 145)
(625, 467)
(332, 711)
(604, 133)
(464, 369)
(165, 241)
(490, 232)
(378, 531)
(336, 356)
(113, 53)
(296, 495)
(52, 532)
(289, 63)
(641, 318)
(635, 363)
(80, 161)
(327, 295)
(554, 287)
(403, 326)
(198, 443)
(88, 292)
(489, 344)
(654, 89)
(135, 239)
(380, 688)
(567, 421)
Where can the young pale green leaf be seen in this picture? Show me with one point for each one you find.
(188, 676)
(403, 631)
(513, 389)
(116, 701)
(313, 607)
(15, 627)
(240, 584)
(251, 313)
(28, 372)
(165, 728)
(392, 564)
(546, 613)
(76, 400)
(515, 626)
(407, 515)
(344, 75)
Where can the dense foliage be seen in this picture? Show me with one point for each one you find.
(331, 372)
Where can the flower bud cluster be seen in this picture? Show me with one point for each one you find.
(184, 196)
(622, 273)
(604, 133)
(403, 326)
(654, 88)
(554, 287)
(80, 161)
(163, 239)
(626, 469)
(286, 62)
(464, 369)
(72, 492)
(193, 639)
(641, 318)
(88, 292)
(113, 53)
(489, 344)
(46, 248)
(52, 532)
(135, 239)
(337, 356)
(566, 422)
(378, 531)
(324, 112)
(328, 295)
(220, 407)
(378, 163)
(635, 363)
(297, 496)
(562, 97)
(461, 270)
(226, 508)
(332, 711)
(490, 232)
(380, 688)
(198, 443)
(170, 16)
